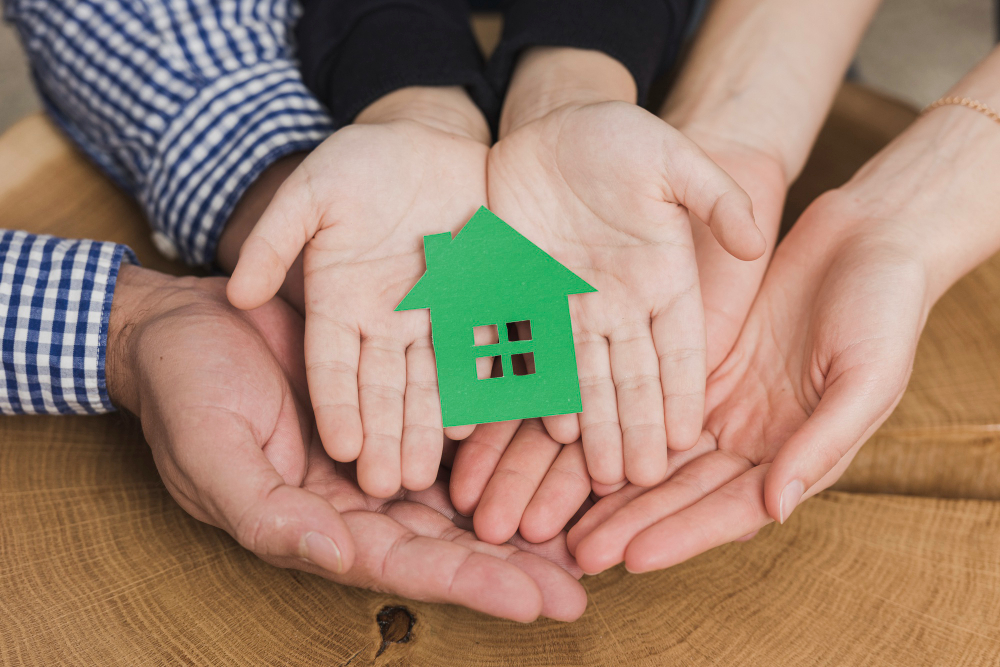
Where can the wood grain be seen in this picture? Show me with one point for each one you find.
(101, 567)
(98, 565)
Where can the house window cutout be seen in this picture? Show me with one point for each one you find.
(486, 334)
(519, 330)
(489, 367)
(524, 364)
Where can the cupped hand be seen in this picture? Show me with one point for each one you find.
(360, 205)
(605, 188)
(220, 396)
(821, 362)
(417, 545)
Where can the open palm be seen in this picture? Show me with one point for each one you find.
(416, 545)
(360, 205)
(604, 189)
(822, 361)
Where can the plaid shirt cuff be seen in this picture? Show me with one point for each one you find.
(229, 133)
(55, 301)
(184, 104)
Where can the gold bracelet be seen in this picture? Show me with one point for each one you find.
(975, 105)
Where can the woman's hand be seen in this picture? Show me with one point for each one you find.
(221, 396)
(821, 362)
(360, 205)
(829, 343)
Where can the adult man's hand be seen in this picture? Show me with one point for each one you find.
(221, 396)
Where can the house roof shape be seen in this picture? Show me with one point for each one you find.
(487, 258)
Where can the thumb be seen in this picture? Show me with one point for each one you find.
(285, 521)
(711, 194)
(851, 409)
(286, 225)
(241, 492)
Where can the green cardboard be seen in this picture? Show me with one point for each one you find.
(489, 274)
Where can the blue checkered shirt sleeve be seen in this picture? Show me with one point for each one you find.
(183, 102)
(55, 300)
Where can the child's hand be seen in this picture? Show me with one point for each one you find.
(513, 477)
(360, 205)
(606, 188)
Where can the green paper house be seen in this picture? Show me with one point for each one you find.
(491, 276)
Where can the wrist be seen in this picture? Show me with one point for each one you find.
(548, 78)
(931, 192)
(445, 108)
(134, 300)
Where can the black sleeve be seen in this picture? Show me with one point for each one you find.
(643, 35)
(353, 52)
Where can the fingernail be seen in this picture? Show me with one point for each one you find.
(321, 550)
(790, 497)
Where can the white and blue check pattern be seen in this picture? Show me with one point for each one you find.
(55, 300)
(183, 102)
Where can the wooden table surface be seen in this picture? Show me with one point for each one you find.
(898, 566)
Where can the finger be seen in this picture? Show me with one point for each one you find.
(459, 432)
(599, 513)
(679, 337)
(548, 565)
(332, 352)
(423, 437)
(614, 499)
(640, 403)
(287, 224)
(286, 452)
(393, 559)
(238, 489)
(714, 197)
(605, 545)
(553, 550)
(563, 428)
(565, 487)
(476, 459)
(517, 476)
(381, 386)
(601, 490)
(599, 427)
(726, 514)
(851, 408)
(563, 598)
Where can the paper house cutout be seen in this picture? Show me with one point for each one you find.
(489, 274)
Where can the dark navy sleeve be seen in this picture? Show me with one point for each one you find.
(644, 35)
(353, 52)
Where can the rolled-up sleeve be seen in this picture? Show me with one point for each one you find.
(183, 102)
(55, 303)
